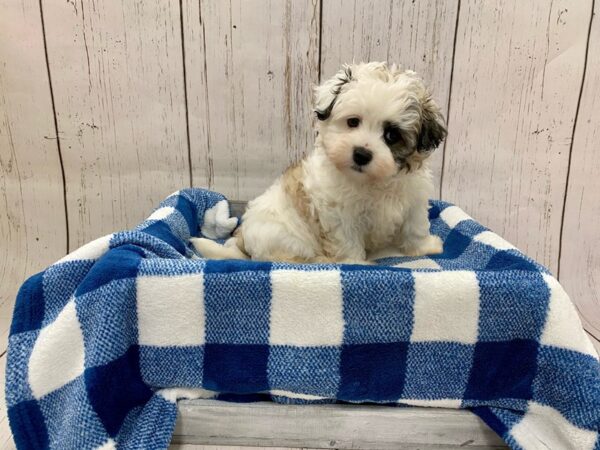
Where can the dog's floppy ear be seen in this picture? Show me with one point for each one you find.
(326, 94)
(433, 127)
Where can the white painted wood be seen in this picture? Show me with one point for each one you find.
(595, 341)
(117, 77)
(6, 440)
(517, 75)
(250, 65)
(330, 426)
(418, 35)
(222, 447)
(580, 258)
(32, 215)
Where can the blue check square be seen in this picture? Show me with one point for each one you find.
(436, 370)
(502, 370)
(237, 302)
(111, 404)
(79, 427)
(373, 372)
(239, 369)
(375, 308)
(172, 366)
(512, 310)
(305, 370)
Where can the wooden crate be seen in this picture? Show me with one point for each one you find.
(268, 424)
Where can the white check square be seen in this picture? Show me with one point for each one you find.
(453, 215)
(421, 263)
(306, 308)
(171, 310)
(58, 356)
(492, 239)
(446, 307)
(558, 329)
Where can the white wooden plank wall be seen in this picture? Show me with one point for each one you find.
(250, 68)
(580, 259)
(516, 82)
(30, 171)
(32, 212)
(149, 97)
(117, 78)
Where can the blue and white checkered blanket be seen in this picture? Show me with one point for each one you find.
(106, 340)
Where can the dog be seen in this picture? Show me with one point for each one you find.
(365, 187)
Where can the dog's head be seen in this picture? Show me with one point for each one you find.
(375, 120)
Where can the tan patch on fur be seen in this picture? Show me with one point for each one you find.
(239, 240)
(288, 258)
(294, 188)
(415, 160)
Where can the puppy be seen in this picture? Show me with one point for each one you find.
(364, 188)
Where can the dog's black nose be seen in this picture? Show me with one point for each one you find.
(362, 156)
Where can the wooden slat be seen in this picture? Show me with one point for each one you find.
(516, 80)
(6, 439)
(117, 76)
(223, 447)
(330, 426)
(249, 65)
(417, 35)
(595, 342)
(580, 261)
(32, 215)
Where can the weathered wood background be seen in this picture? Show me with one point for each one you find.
(107, 107)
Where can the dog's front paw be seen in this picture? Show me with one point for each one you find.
(431, 245)
(436, 246)
(203, 246)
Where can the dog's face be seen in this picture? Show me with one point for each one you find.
(377, 120)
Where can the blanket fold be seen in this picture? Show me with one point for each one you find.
(105, 341)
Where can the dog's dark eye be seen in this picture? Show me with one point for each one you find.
(353, 122)
(391, 135)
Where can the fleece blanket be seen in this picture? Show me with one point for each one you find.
(105, 341)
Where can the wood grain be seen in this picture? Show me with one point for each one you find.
(223, 447)
(594, 340)
(580, 261)
(117, 75)
(250, 66)
(515, 86)
(6, 439)
(417, 35)
(32, 214)
(330, 426)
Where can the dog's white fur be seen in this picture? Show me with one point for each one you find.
(329, 209)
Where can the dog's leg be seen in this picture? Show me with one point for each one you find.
(213, 250)
(414, 238)
(429, 245)
(343, 246)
